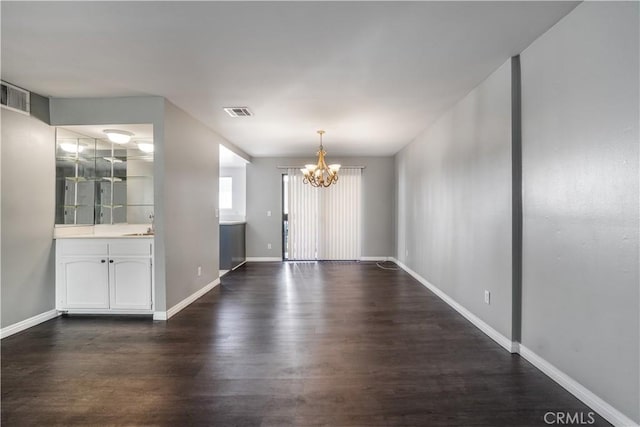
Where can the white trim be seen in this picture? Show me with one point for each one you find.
(28, 323)
(263, 259)
(223, 272)
(239, 265)
(505, 342)
(375, 258)
(603, 408)
(607, 411)
(105, 311)
(166, 315)
(159, 315)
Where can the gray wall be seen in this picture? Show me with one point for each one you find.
(264, 193)
(27, 213)
(142, 109)
(580, 176)
(239, 197)
(454, 202)
(190, 201)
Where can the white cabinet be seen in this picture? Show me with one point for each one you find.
(104, 275)
(86, 282)
(129, 283)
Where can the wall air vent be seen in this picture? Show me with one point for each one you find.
(238, 111)
(15, 98)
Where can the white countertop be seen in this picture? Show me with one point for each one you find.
(105, 236)
(118, 231)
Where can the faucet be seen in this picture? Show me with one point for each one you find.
(152, 229)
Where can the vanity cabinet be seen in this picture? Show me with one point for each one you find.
(104, 275)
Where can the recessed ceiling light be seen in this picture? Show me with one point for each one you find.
(118, 136)
(145, 147)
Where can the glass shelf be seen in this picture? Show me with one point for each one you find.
(76, 178)
(113, 159)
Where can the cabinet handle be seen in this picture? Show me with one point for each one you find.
(110, 261)
(103, 261)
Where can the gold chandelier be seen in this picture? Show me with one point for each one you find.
(320, 175)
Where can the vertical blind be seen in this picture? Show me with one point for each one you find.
(303, 223)
(324, 223)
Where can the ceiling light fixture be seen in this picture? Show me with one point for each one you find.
(72, 147)
(320, 175)
(145, 147)
(118, 136)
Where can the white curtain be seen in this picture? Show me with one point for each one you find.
(324, 223)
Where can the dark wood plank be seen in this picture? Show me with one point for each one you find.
(344, 344)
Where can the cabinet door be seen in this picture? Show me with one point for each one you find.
(130, 283)
(85, 283)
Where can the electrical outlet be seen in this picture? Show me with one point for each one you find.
(268, 245)
(487, 297)
(217, 212)
(406, 252)
(199, 271)
(268, 213)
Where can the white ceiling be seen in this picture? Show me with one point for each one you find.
(372, 74)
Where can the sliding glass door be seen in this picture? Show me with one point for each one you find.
(324, 223)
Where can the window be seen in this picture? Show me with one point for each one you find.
(226, 195)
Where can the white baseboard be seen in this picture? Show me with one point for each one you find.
(166, 315)
(607, 411)
(223, 272)
(263, 259)
(505, 342)
(375, 258)
(111, 312)
(240, 265)
(28, 323)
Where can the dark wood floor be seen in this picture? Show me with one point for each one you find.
(277, 344)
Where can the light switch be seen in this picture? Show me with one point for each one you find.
(268, 213)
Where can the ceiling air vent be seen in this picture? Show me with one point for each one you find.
(14, 98)
(238, 111)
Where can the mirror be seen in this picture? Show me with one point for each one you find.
(102, 182)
